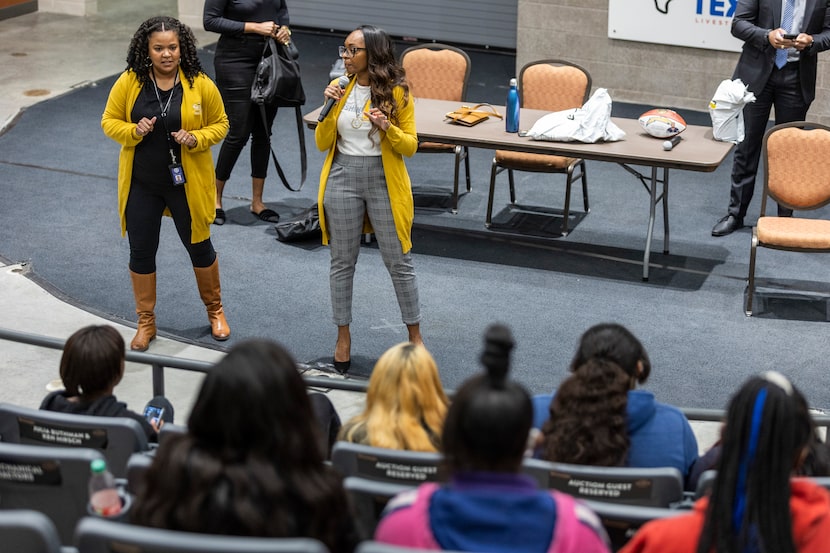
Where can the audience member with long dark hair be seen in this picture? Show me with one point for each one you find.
(405, 403)
(659, 434)
(587, 424)
(166, 113)
(364, 178)
(755, 505)
(248, 464)
(488, 504)
(92, 365)
(243, 26)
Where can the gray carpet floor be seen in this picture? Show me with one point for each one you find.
(58, 211)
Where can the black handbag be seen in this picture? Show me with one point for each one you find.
(277, 80)
(277, 83)
(304, 226)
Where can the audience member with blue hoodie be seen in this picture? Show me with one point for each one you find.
(488, 504)
(659, 435)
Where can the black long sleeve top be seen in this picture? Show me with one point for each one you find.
(229, 16)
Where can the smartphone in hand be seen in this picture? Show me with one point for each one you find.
(790, 36)
(153, 414)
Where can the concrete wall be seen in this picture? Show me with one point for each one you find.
(652, 74)
(190, 13)
(69, 7)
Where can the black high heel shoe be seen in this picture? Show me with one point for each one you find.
(342, 366)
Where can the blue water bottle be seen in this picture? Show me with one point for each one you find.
(511, 118)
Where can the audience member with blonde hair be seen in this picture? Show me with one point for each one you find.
(405, 403)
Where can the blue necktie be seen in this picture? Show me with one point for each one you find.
(786, 22)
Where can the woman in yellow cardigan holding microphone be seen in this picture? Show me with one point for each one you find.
(367, 133)
(166, 113)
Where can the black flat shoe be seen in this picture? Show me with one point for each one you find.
(342, 366)
(727, 225)
(219, 218)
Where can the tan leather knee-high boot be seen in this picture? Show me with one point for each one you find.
(207, 278)
(144, 290)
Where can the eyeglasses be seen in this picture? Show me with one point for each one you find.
(349, 52)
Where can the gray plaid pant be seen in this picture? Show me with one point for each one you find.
(357, 185)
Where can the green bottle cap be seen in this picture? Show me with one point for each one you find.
(98, 465)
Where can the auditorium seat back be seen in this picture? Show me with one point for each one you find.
(96, 535)
(50, 480)
(650, 487)
(27, 531)
(116, 437)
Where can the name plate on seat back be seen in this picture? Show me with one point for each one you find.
(40, 433)
(43, 473)
(370, 466)
(610, 489)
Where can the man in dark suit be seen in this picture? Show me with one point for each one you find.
(778, 64)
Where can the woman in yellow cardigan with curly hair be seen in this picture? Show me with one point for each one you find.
(368, 132)
(166, 113)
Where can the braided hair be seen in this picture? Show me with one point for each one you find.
(768, 428)
(138, 55)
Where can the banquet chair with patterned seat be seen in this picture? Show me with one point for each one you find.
(549, 85)
(796, 176)
(440, 72)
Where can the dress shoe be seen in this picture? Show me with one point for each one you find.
(727, 225)
(343, 366)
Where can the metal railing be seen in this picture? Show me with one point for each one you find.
(160, 362)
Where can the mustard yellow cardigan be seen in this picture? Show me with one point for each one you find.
(203, 116)
(398, 141)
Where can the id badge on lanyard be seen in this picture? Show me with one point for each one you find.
(175, 168)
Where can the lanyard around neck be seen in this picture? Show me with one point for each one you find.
(165, 109)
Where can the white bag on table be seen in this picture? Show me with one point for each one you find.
(727, 110)
(590, 123)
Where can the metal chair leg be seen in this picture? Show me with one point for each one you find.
(494, 170)
(467, 167)
(455, 179)
(566, 212)
(583, 175)
(751, 286)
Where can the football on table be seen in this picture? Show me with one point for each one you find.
(662, 123)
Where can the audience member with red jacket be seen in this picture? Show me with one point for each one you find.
(755, 504)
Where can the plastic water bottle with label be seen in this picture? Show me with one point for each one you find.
(511, 118)
(103, 492)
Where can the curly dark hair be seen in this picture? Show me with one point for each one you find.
(138, 55)
(385, 73)
(587, 424)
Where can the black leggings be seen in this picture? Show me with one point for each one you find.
(145, 206)
(235, 63)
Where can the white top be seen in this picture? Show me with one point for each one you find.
(353, 126)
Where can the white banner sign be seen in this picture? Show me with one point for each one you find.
(695, 23)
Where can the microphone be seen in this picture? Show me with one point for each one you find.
(342, 82)
(672, 142)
